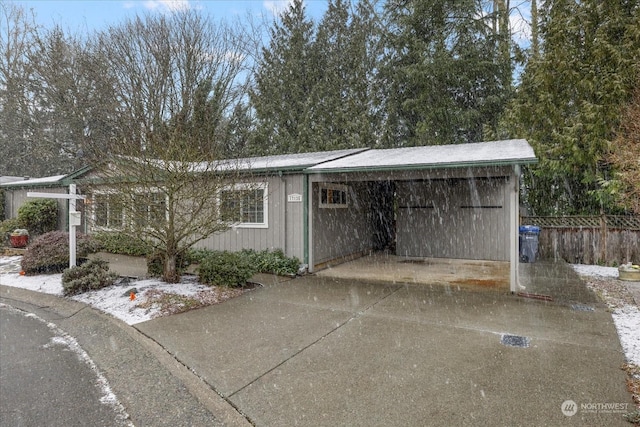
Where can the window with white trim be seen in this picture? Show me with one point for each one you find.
(245, 205)
(150, 209)
(107, 211)
(333, 196)
(111, 212)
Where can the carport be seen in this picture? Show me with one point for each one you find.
(451, 202)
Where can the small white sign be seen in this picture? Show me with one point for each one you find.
(74, 218)
(294, 198)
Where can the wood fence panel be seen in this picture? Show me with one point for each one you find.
(604, 240)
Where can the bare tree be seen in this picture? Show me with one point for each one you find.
(177, 78)
(17, 34)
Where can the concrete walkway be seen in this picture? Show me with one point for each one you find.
(325, 351)
(321, 351)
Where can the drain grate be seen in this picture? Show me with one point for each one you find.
(582, 307)
(515, 341)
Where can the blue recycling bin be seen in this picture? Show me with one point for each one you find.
(528, 243)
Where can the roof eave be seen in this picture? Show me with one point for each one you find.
(421, 166)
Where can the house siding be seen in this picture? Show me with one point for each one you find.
(285, 224)
(16, 197)
(338, 232)
(454, 218)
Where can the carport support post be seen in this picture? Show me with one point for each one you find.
(514, 214)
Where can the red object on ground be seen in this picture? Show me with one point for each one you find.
(19, 241)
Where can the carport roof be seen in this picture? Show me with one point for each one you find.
(493, 153)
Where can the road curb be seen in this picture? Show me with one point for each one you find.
(150, 383)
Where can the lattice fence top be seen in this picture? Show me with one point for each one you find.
(610, 221)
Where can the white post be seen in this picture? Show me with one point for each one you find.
(72, 226)
(74, 216)
(514, 216)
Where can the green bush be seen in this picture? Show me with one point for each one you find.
(49, 253)
(274, 262)
(195, 256)
(229, 269)
(94, 274)
(8, 225)
(121, 243)
(39, 216)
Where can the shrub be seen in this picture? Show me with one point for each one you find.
(229, 269)
(8, 225)
(39, 216)
(195, 256)
(49, 253)
(94, 274)
(275, 262)
(121, 243)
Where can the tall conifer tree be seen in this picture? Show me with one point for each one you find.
(570, 101)
(284, 82)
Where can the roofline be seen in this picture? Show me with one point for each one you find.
(420, 166)
(296, 168)
(25, 183)
(69, 179)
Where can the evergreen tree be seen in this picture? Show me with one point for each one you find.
(448, 71)
(284, 81)
(570, 100)
(345, 48)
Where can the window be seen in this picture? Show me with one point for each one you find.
(107, 211)
(245, 205)
(333, 196)
(150, 208)
(110, 211)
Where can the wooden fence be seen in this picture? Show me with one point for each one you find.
(606, 240)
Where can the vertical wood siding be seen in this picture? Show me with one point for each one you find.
(284, 220)
(338, 232)
(15, 198)
(453, 218)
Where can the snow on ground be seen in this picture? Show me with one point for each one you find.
(595, 270)
(115, 300)
(626, 318)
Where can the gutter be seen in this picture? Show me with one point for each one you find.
(419, 167)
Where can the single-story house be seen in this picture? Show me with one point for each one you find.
(448, 201)
(15, 194)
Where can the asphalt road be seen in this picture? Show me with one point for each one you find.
(43, 379)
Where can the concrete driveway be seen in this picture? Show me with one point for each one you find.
(325, 351)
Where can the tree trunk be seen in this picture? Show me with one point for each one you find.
(170, 273)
